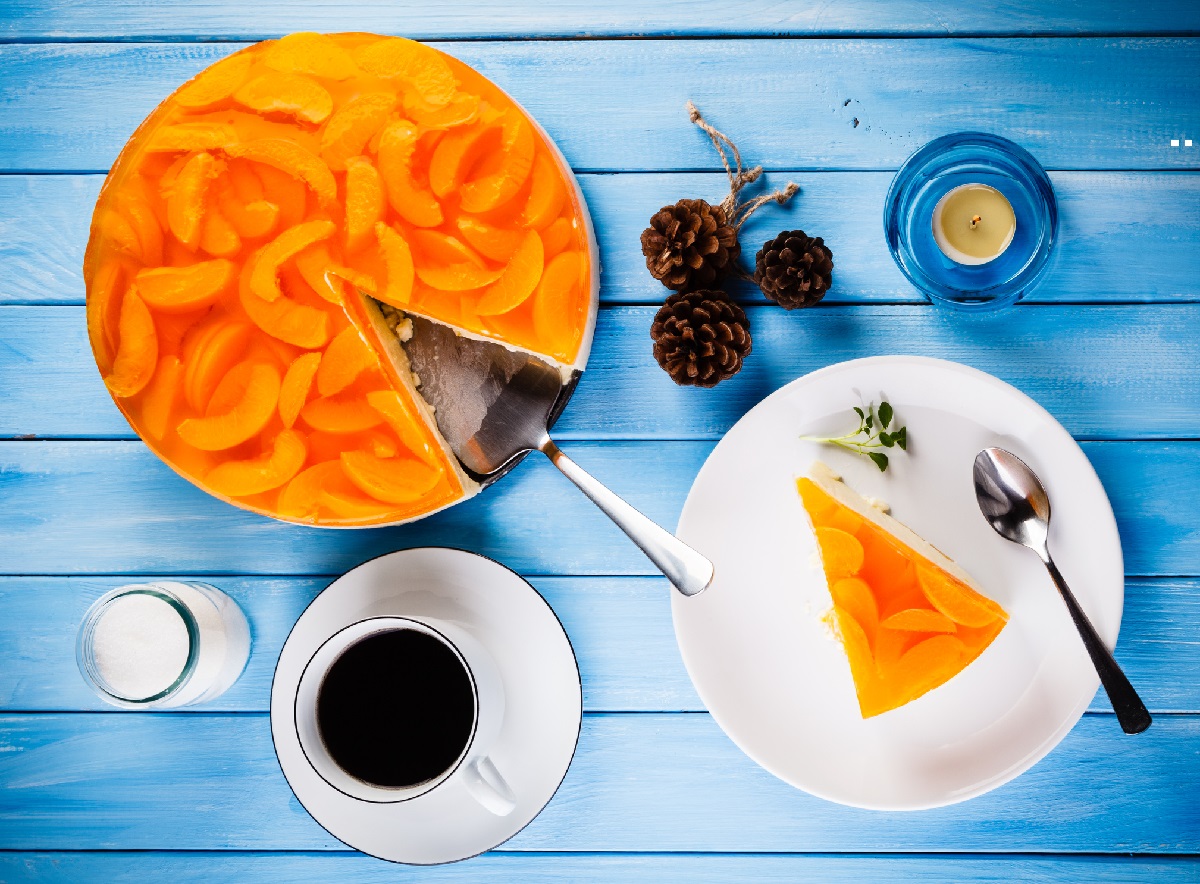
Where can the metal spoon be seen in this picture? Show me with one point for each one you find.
(516, 398)
(1015, 504)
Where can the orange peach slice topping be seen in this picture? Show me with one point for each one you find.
(958, 602)
(216, 83)
(137, 354)
(393, 480)
(919, 620)
(192, 136)
(241, 478)
(337, 414)
(518, 280)
(179, 289)
(186, 199)
(411, 202)
(264, 273)
(422, 66)
(292, 159)
(501, 175)
(397, 257)
(345, 359)
(297, 384)
(353, 125)
(256, 386)
(496, 243)
(308, 53)
(365, 201)
(292, 94)
(546, 196)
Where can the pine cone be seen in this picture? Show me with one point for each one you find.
(700, 338)
(794, 269)
(690, 245)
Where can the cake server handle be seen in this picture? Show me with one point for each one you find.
(688, 571)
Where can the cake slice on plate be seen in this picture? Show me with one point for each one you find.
(909, 618)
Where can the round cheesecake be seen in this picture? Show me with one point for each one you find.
(263, 238)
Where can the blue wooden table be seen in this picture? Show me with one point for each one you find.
(831, 94)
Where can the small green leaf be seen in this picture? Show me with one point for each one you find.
(870, 421)
(859, 412)
(881, 459)
(901, 438)
(887, 440)
(885, 413)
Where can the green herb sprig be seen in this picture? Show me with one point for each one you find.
(871, 436)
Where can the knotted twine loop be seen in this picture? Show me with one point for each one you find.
(735, 211)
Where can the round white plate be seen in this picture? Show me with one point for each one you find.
(543, 701)
(778, 682)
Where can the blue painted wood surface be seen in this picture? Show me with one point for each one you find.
(1096, 90)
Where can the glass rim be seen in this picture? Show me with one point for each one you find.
(86, 659)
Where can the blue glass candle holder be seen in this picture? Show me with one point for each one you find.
(932, 172)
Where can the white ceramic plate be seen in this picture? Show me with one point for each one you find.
(777, 681)
(542, 699)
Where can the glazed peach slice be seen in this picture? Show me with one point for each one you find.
(854, 596)
(397, 258)
(410, 201)
(209, 355)
(301, 497)
(557, 309)
(294, 95)
(862, 663)
(490, 240)
(841, 552)
(365, 201)
(445, 263)
(297, 384)
(306, 52)
(239, 409)
(144, 223)
(252, 220)
(103, 311)
(180, 289)
(396, 480)
(354, 124)
(462, 109)
(216, 83)
(344, 500)
(265, 263)
(288, 194)
(315, 265)
(519, 279)
(192, 136)
(925, 666)
(219, 237)
(340, 414)
(421, 66)
(919, 620)
(242, 478)
(287, 320)
(456, 153)
(163, 397)
(957, 601)
(501, 175)
(546, 195)
(187, 198)
(116, 229)
(401, 416)
(137, 353)
(292, 159)
(557, 236)
(346, 357)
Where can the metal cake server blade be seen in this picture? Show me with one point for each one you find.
(492, 405)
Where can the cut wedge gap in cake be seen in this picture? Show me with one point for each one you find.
(910, 619)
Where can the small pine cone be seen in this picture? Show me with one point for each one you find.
(700, 338)
(794, 269)
(690, 245)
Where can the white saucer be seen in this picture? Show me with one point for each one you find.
(773, 676)
(543, 701)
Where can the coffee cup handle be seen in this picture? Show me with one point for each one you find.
(488, 787)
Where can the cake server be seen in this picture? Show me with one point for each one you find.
(1015, 504)
(494, 405)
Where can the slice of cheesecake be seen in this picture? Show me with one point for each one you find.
(910, 619)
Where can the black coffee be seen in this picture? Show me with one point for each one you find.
(396, 709)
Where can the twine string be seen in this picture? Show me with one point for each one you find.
(736, 212)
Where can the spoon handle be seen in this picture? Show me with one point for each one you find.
(1131, 711)
(688, 571)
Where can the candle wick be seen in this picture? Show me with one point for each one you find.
(975, 221)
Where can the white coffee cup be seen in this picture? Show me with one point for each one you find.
(473, 767)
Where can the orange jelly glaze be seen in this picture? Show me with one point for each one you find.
(898, 614)
(225, 232)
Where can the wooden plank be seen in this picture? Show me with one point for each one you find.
(1104, 372)
(620, 629)
(638, 782)
(1102, 103)
(124, 20)
(44, 220)
(530, 868)
(114, 508)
